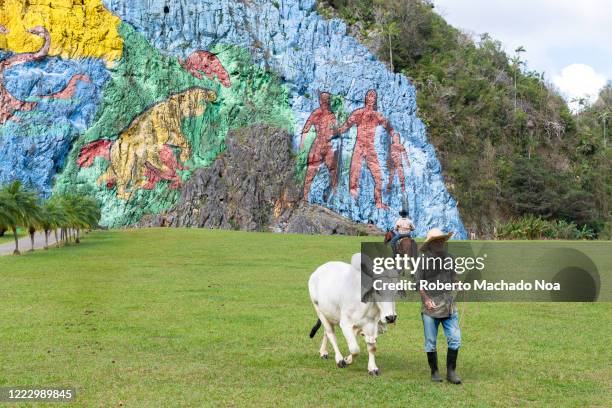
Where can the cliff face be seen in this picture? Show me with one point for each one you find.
(257, 194)
(141, 121)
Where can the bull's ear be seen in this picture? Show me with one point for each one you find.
(367, 267)
(368, 295)
(367, 272)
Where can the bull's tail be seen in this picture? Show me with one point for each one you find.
(315, 328)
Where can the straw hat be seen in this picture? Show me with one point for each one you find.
(436, 234)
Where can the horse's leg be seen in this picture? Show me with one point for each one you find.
(414, 250)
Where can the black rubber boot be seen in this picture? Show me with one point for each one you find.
(432, 359)
(451, 366)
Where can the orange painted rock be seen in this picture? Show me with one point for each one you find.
(70, 89)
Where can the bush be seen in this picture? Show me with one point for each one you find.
(561, 229)
(606, 231)
(532, 227)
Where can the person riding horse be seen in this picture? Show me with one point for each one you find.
(403, 228)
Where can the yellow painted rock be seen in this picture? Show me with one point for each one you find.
(136, 153)
(78, 28)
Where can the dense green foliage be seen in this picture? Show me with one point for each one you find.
(508, 143)
(532, 227)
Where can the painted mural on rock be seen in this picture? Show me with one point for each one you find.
(99, 105)
(162, 118)
(364, 155)
(51, 81)
(144, 153)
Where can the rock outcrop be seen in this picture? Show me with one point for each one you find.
(252, 187)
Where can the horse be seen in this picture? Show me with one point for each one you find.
(406, 245)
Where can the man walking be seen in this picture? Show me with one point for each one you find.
(438, 306)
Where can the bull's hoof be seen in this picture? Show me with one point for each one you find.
(374, 373)
(324, 356)
(341, 364)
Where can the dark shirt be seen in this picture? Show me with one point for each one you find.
(434, 269)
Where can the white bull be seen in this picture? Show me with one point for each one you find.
(335, 291)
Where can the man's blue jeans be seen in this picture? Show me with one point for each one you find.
(396, 238)
(451, 331)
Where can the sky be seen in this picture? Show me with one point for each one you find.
(569, 40)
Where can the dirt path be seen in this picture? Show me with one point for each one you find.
(24, 243)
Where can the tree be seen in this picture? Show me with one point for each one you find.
(80, 212)
(32, 227)
(516, 64)
(389, 27)
(604, 121)
(19, 207)
(22, 206)
(53, 217)
(7, 211)
(87, 213)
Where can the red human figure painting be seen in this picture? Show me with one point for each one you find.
(321, 151)
(397, 157)
(367, 119)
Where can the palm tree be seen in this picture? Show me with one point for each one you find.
(62, 218)
(7, 212)
(86, 212)
(516, 63)
(32, 232)
(604, 120)
(22, 207)
(79, 212)
(53, 216)
(34, 224)
(65, 216)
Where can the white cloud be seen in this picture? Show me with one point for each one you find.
(557, 34)
(578, 81)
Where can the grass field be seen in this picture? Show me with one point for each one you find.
(167, 317)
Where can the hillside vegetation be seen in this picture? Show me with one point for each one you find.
(508, 143)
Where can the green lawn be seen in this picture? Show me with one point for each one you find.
(167, 317)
